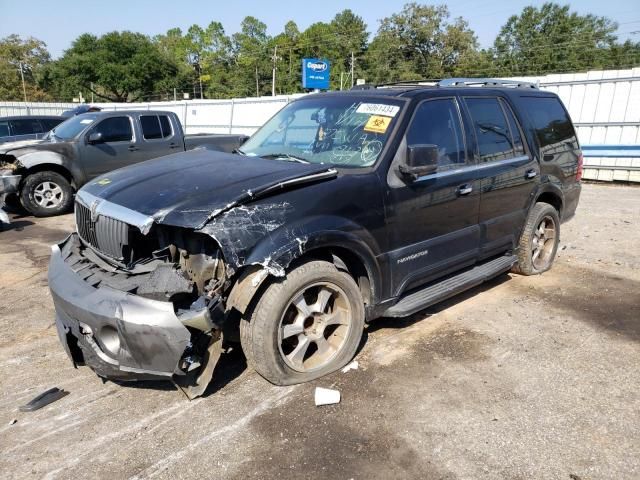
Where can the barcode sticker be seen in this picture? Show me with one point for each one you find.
(379, 109)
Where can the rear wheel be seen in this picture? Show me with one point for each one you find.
(539, 240)
(304, 326)
(45, 194)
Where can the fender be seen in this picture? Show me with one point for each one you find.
(274, 253)
(34, 158)
(549, 185)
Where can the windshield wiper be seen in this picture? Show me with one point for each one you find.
(286, 156)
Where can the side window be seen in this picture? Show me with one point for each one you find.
(551, 123)
(150, 127)
(25, 127)
(516, 133)
(165, 125)
(492, 132)
(115, 129)
(437, 122)
(4, 129)
(49, 123)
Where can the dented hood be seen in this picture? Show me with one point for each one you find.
(189, 188)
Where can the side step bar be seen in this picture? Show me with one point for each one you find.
(417, 300)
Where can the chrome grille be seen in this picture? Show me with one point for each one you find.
(107, 235)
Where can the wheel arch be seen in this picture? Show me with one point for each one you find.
(552, 195)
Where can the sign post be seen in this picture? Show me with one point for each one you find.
(315, 73)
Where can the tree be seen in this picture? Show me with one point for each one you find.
(419, 42)
(28, 58)
(251, 57)
(118, 67)
(551, 39)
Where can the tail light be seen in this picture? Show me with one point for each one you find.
(580, 168)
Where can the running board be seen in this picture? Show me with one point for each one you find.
(434, 293)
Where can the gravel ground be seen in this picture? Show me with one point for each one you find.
(523, 377)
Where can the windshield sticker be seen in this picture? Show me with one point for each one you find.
(379, 109)
(86, 121)
(377, 124)
(103, 182)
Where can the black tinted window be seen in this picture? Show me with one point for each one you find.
(437, 122)
(150, 127)
(25, 126)
(4, 129)
(115, 129)
(550, 121)
(492, 132)
(166, 125)
(516, 134)
(49, 123)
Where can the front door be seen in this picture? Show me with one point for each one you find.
(433, 220)
(116, 149)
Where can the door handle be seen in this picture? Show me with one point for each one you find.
(465, 189)
(132, 148)
(530, 174)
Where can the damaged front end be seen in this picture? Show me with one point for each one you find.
(139, 307)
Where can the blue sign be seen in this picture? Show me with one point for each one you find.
(315, 73)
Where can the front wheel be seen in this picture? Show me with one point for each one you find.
(539, 240)
(304, 326)
(45, 194)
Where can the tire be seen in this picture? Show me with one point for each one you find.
(535, 258)
(45, 194)
(275, 332)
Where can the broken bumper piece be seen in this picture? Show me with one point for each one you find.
(121, 336)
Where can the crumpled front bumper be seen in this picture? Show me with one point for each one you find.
(121, 336)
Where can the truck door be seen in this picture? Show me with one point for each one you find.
(116, 148)
(510, 173)
(433, 220)
(158, 137)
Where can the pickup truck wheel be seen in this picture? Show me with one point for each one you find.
(539, 240)
(305, 325)
(45, 194)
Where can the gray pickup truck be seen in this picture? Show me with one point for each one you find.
(88, 145)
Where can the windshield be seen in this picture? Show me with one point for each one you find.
(72, 127)
(348, 131)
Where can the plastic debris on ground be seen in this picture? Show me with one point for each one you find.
(326, 396)
(352, 366)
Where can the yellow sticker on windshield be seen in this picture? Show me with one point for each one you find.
(104, 181)
(377, 124)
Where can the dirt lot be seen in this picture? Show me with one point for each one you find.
(524, 377)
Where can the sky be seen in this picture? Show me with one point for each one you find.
(59, 23)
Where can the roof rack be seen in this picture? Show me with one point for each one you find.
(484, 82)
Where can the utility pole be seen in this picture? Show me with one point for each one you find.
(273, 79)
(91, 92)
(24, 88)
(257, 86)
(174, 95)
(352, 66)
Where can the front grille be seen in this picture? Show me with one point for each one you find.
(107, 235)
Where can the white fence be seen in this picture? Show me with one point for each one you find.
(604, 106)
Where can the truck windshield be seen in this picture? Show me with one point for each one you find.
(73, 126)
(348, 131)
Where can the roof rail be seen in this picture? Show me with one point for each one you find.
(484, 82)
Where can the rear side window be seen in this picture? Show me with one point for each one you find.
(166, 126)
(25, 126)
(516, 133)
(4, 129)
(550, 121)
(150, 127)
(437, 122)
(115, 129)
(491, 128)
(49, 123)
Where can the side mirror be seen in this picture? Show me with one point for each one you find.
(95, 137)
(421, 160)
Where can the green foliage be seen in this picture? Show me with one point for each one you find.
(32, 57)
(421, 41)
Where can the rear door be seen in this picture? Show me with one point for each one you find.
(117, 149)
(510, 172)
(433, 220)
(158, 137)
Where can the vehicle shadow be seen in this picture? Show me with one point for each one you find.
(397, 323)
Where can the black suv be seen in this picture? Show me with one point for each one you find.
(342, 208)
